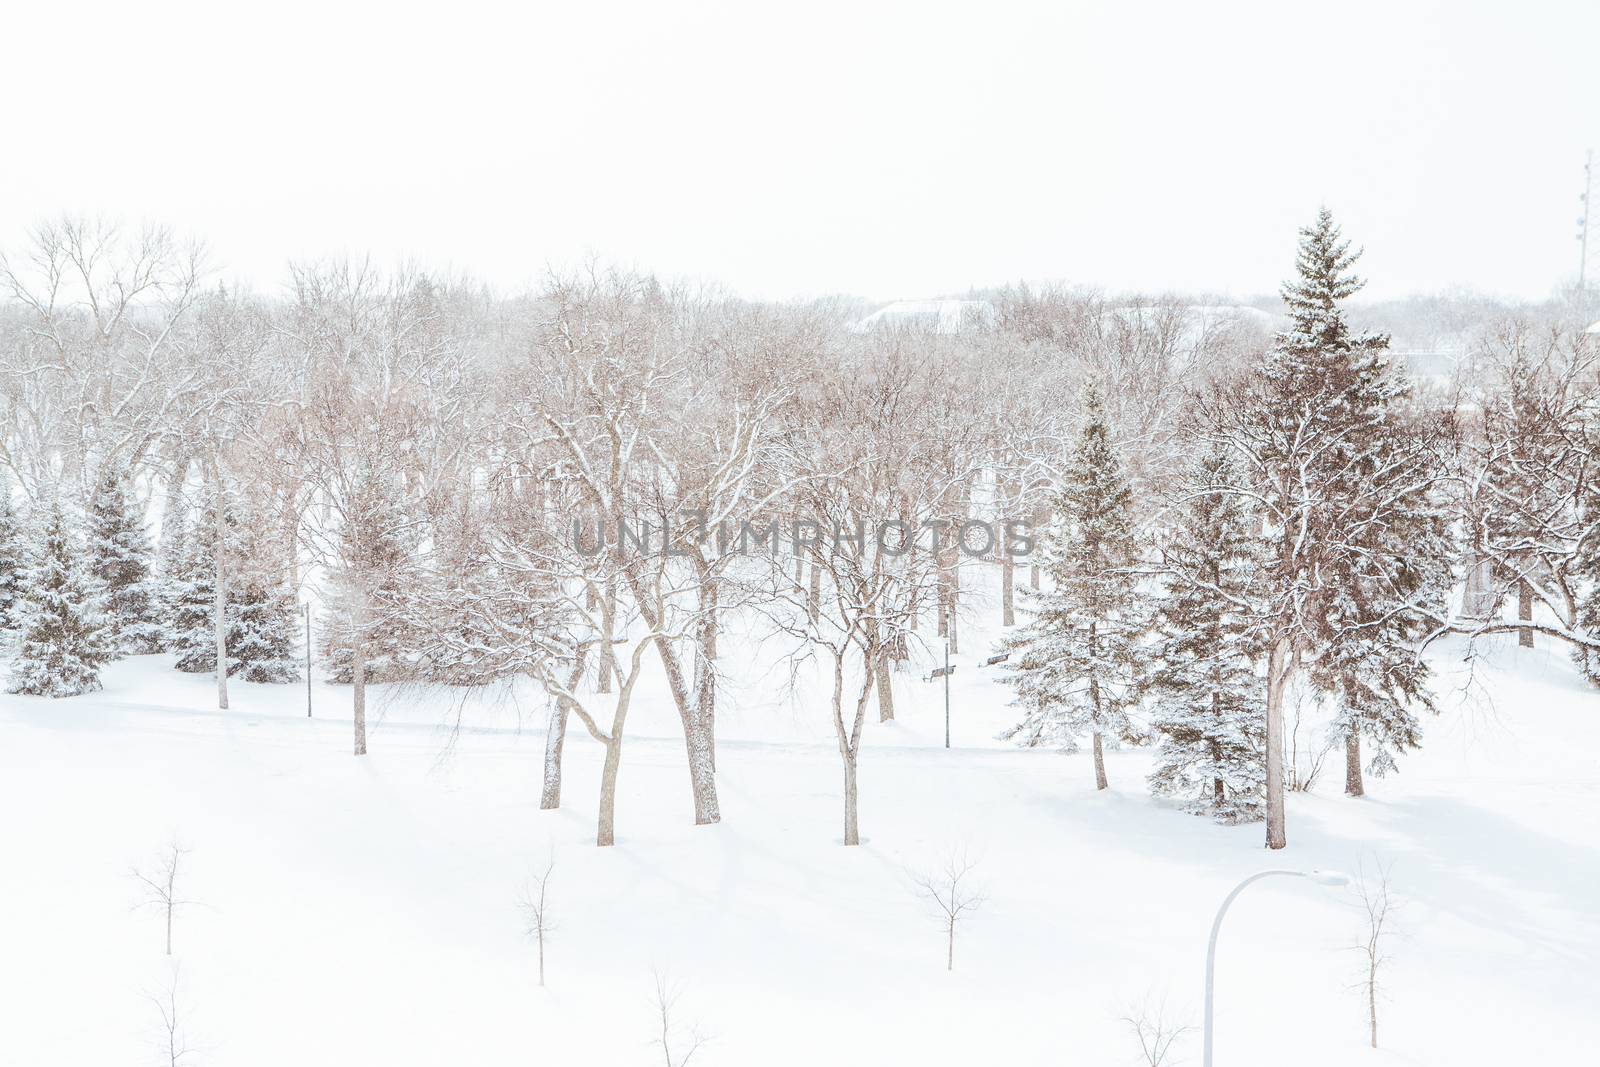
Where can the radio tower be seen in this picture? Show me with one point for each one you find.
(1587, 199)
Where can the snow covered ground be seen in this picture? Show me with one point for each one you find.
(366, 911)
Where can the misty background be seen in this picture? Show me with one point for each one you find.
(885, 151)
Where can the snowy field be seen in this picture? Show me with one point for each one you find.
(366, 911)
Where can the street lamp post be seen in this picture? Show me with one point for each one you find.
(1320, 877)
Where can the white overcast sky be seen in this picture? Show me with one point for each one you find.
(888, 150)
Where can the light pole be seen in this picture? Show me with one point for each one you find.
(1320, 877)
(947, 694)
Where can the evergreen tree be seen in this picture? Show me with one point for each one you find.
(1346, 476)
(1386, 581)
(1208, 701)
(120, 555)
(171, 547)
(1389, 595)
(262, 633)
(260, 616)
(12, 562)
(1586, 567)
(376, 569)
(1077, 670)
(64, 626)
(463, 612)
(263, 620)
(193, 589)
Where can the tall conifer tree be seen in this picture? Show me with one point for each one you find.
(121, 558)
(64, 636)
(1077, 669)
(1207, 699)
(1346, 478)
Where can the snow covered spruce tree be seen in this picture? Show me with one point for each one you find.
(375, 567)
(1207, 699)
(263, 618)
(1389, 597)
(64, 637)
(1078, 669)
(260, 617)
(12, 548)
(193, 592)
(1347, 477)
(1586, 566)
(120, 555)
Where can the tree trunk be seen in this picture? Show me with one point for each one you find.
(702, 765)
(814, 594)
(608, 657)
(705, 666)
(1279, 669)
(608, 793)
(1219, 794)
(1094, 699)
(1353, 786)
(955, 603)
(555, 736)
(1033, 577)
(1008, 614)
(852, 835)
(702, 771)
(885, 690)
(220, 600)
(1372, 1002)
(950, 946)
(850, 741)
(358, 678)
(1524, 613)
(555, 740)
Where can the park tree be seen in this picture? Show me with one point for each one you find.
(1344, 475)
(1206, 696)
(1075, 665)
(64, 636)
(122, 560)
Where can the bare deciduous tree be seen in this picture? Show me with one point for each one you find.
(1156, 1030)
(162, 883)
(172, 1040)
(1377, 906)
(953, 895)
(536, 910)
(666, 1000)
(1304, 767)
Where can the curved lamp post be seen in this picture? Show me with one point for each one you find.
(1330, 878)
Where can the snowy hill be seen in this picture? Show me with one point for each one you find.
(366, 911)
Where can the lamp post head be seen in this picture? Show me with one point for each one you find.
(1332, 878)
